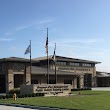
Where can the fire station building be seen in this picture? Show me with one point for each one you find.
(15, 71)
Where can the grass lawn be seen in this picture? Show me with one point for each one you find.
(88, 100)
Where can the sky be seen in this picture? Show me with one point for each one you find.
(80, 29)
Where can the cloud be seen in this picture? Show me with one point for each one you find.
(16, 49)
(21, 28)
(13, 48)
(70, 41)
(37, 23)
(8, 33)
(76, 43)
(80, 48)
(46, 21)
(6, 39)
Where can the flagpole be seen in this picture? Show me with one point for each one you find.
(55, 65)
(28, 50)
(30, 57)
(47, 61)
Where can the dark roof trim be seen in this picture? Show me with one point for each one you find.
(61, 58)
(16, 59)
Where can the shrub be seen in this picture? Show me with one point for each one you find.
(21, 95)
(33, 95)
(26, 95)
(1, 96)
(37, 94)
(17, 91)
(9, 96)
(29, 95)
(80, 89)
(41, 94)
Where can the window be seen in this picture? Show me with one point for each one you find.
(68, 82)
(86, 64)
(61, 63)
(74, 64)
(18, 80)
(51, 81)
(34, 81)
(0, 67)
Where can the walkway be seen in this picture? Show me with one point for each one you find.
(101, 89)
(3, 107)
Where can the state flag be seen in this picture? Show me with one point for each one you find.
(28, 50)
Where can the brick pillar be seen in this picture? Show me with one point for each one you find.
(81, 78)
(94, 82)
(28, 75)
(75, 83)
(9, 80)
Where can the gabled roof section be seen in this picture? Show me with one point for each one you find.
(61, 58)
(17, 59)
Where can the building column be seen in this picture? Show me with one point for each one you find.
(75, 83)
(9, 80)
(94, 82)
(27, 75)
(81, 78)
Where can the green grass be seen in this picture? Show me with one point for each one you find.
(88, 100)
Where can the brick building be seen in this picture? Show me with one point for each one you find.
(16, 71)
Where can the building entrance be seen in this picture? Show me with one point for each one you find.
(87, 80)
(2, 84)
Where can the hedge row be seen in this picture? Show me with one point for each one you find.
(21, 96)
(30, 95)
(81, 89)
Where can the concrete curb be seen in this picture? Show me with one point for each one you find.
(35, 107)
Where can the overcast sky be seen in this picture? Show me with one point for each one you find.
(80, 29)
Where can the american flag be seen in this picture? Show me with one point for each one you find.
(54, 54)
(46, 45)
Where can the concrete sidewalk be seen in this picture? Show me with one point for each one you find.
(27, 107)
(101, 89)
(4, 107)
